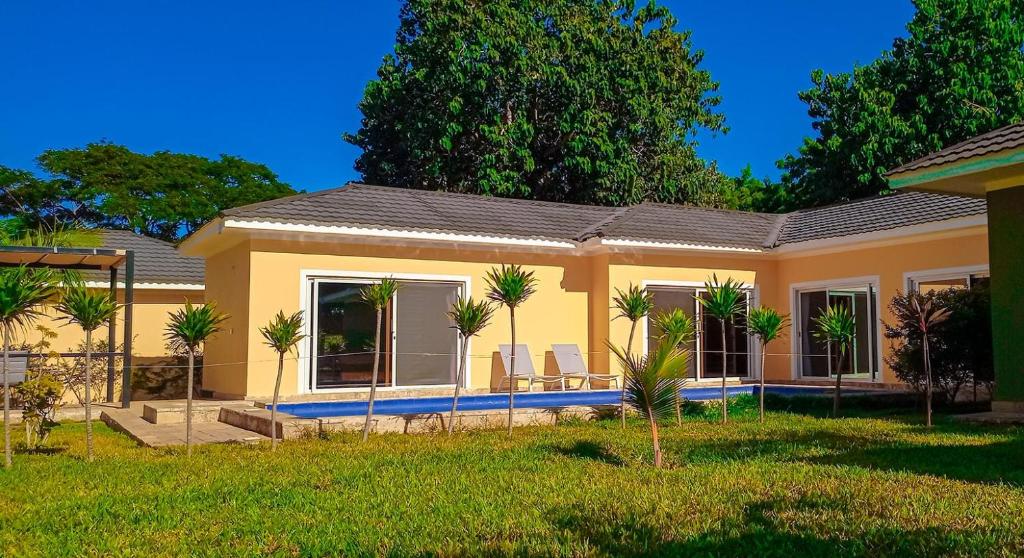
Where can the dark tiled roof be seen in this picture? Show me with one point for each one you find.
(678, 224)
(399, 209)
(875, 214)
(403, 209)
(156, 261)
(1007, 137)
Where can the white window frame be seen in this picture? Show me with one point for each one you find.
(753, 349)
(796, 349)
(912, 278)
(306, 279)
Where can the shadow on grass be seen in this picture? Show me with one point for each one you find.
(591, 451)
(998, 462)
(44, 450)
(773, 527)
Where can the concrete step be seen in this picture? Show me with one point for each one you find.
(258, 420)
(173, 411)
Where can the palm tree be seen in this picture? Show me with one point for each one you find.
(652, 384)
(378, 295)
(469, 317)
(22, 292)
(634, 305)
(191, 327)
(676, 329)
(837, 327)
(510, 286)
(90, 310)
(766, 324)
(723, 301)
(926, 316)
(281, 334)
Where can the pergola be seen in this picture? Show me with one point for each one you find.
(90, 259)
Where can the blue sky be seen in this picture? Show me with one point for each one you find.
(278, 82)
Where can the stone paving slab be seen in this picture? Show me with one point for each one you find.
(152, 435)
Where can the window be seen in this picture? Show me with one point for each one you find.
(418, 346)
(819, 359)
(706, 348)
(940, 280)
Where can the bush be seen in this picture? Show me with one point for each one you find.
(960, 348)
(39, 398)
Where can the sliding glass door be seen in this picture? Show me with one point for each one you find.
(819, 359)
(418, 346)
(667, 299)
(706, 348)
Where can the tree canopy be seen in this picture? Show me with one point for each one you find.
(165, 195)
(574, 100)
(958, 73)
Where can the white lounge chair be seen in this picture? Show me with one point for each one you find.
(524, 368)
(571, 365)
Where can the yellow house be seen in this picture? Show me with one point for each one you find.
(312, 253)
(163, 280)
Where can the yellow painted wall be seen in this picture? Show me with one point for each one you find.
(150, 315)
(149, 321)
(228, 286)
(889, 263)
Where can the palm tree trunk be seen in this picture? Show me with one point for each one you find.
(458, 384)
(725, 362)
(629, 352)
(512, 369)
(188, 401)
(927, 384)
(273, 406)
(88, 395)
(655, 440)
(7, 397)
(839, 385)
(373, 380)
(764, 347)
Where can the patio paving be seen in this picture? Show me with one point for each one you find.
(130, 422)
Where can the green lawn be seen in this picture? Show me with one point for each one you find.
(797, 486)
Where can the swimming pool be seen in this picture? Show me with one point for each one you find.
(526, 400)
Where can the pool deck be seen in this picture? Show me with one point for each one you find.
(161, 423)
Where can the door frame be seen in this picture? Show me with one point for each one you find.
(752, 292)
(306, 279)
(839, 284)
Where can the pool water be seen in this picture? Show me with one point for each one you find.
(524, 400)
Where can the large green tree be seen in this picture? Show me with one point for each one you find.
(958, 73)
(164, 195)
(567, 100)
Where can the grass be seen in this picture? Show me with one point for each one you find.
(800, 485)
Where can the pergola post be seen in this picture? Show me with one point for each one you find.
(111, 339)
(129, 296)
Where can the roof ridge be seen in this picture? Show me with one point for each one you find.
(441, 193)
(597, 229)
(775, 233)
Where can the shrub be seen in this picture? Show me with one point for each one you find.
(39, 397)
(961, 347)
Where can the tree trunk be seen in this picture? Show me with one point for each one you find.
(927, 383)
(188, 401)
(629, 352)
(725, 362)
(7, 397)
(655, 440)
(88, 395)
(373, 380)
(764, 347)
(458, 384)
(511, 369)
(273, 407)
(839, 385)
